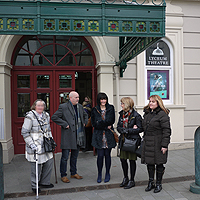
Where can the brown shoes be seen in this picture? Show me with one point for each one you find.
(76, 176)
(65, 179)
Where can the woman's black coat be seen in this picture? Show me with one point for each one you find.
(157, 133)
(130, 133)
(101, 125)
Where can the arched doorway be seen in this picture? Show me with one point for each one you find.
(49, 67)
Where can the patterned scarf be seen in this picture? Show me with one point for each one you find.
(126, 117)
(79, 129)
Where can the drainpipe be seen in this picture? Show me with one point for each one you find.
(116, 73)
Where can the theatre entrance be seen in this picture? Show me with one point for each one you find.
(48, 68)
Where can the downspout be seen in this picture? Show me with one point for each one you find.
(116, 74)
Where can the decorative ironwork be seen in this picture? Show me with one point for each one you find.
(93, 25)
(91, 18)
(113, 26)
(141, 27)
(154, 27)
(131, 48)
(79, 25)
(1, 24)
(127, 26)
(134, 2)
(28, 24)
(64, 25)
(12, 24)
(49, 24)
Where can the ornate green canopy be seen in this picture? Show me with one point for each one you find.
(139, 22)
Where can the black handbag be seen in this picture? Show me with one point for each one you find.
(130, 145)
(49, 143)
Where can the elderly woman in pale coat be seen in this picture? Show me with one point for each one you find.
(33, 136)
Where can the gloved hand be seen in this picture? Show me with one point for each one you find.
(124, 131)
(33, 147)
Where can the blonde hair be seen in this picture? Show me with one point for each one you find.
(160, 103)
(35, 102)
(128, 103)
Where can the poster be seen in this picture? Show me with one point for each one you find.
(158, 83)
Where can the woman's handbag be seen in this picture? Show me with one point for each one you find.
(115, 136)
(89, 124)
(130, 145)
(49, 143)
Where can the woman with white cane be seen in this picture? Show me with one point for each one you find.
(36, 126)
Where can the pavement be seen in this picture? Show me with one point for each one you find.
(179, 174)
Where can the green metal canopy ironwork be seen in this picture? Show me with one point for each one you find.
(138, 23)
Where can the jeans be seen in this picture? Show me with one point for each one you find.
(73, 161)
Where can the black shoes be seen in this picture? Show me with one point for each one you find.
(150, 186)
(124, 182)
(34, 190)
(158, 188)
(130, 185)
(46, 186)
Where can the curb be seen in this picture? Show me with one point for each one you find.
(95, 187)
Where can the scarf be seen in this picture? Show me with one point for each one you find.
(126, 117)
(79, 129)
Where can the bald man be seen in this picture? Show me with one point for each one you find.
(72, 119)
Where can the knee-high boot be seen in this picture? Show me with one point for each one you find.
(151, 172)
(159, 174)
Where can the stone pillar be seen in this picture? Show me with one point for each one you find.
(1, 174)
(5, 112)
(195, 187)
(105, 79)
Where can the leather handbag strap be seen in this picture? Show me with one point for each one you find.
(38, 122)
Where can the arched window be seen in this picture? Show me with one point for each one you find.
(53, 51)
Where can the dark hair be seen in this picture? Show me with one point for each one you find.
(100, 96)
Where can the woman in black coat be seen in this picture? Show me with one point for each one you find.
(157, 133)
(129, 126)
(103, 118)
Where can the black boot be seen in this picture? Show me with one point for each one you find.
(159, 175)
(151, 172)
(130, 185)
(124, 182)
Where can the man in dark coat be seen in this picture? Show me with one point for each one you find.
(72, 118)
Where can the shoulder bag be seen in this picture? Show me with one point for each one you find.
(131, 144)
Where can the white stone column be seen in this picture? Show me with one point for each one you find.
(5, 112)
(105, 79)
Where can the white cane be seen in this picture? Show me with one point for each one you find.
(36, 163)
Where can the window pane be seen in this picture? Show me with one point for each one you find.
(43, 81)
(65, 81)
(23, 102)
(64, 97)
(23, 81)
(45, 97)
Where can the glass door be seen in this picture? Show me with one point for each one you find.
(65, 83)
(28, 87)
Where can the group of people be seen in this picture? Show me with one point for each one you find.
(73, 118)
